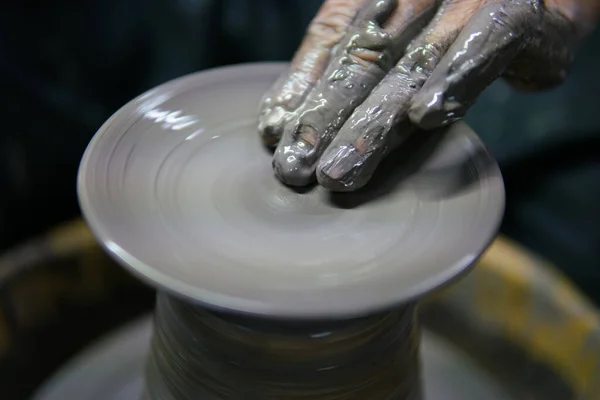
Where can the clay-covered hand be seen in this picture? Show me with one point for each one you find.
(369, 71)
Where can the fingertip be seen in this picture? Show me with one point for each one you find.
(291, 166)
(271, 125)
(341, 169)
(337, 185)
(325, 180)
(271, 134)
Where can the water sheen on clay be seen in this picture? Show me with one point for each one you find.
(361, 59)
(381, 86)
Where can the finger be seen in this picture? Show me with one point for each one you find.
(307, 66)
(373, 44)
(368, 135)
(488, 44)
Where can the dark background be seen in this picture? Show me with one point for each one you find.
(66, 66)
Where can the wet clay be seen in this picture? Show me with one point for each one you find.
(366, 105)
(535, 44)
(361, 60)
(309, 63)
(436, 82)
(173, 203)
(380, 123)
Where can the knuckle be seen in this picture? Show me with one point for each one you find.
(366, 57)
(326, 30)
(333, 19)
(416, 67)
(460, 8)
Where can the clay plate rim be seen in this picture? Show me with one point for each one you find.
(227, 303)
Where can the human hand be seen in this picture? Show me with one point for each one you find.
(369, 72)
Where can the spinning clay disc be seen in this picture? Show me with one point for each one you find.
(179, 189)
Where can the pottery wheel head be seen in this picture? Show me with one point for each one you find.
(178, 188)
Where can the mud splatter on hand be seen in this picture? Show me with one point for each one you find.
(369, 72)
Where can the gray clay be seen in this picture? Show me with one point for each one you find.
(434, 85)
(363, 57)
(368, 102)
(482, 51)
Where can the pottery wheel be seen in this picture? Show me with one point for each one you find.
(113, 370)
(179, 189)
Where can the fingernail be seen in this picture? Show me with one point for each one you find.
(340, 168)
(308, 135)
